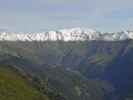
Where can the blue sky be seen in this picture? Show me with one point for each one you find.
(44, 15)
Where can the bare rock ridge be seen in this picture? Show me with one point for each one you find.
(74, 34)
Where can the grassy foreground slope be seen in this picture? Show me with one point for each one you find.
(15, 87)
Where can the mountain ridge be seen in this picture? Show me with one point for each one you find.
(73, 34)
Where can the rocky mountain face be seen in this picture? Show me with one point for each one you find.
(74, 34)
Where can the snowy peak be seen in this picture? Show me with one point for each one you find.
(74, 34)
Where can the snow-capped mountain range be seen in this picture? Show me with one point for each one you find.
(74, 34)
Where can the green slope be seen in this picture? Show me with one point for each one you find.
(15, 87)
